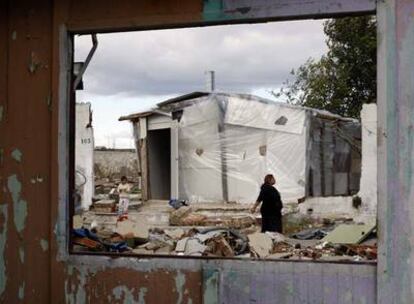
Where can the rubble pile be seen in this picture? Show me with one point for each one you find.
(135, 237)
(189, 216)
(227, 231)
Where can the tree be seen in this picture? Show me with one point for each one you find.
(344, 78)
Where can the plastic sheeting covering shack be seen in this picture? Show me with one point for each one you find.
(227, 143)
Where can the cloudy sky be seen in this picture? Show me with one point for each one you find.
(131, 72)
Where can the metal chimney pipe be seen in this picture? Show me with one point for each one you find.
(210, 81)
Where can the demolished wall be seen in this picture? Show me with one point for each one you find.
(369, 188)
(362, 206)
(114, 163)
(84, 156)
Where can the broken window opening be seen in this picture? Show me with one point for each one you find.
(226, 137)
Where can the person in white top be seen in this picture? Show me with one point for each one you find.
(123, 189)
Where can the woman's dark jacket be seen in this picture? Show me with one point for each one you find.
(271, 202)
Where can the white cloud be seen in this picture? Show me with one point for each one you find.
(131, 71)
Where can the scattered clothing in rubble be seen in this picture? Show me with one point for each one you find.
(310, 234)
(90, 241)
(176, 204)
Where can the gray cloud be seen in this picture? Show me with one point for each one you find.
(245, 57)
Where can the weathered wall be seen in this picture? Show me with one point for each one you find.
(342, 205)
(396, 151)
(25, 139)
(115, 163)
(34, 264)
(334, 206)
(84, 157)
(369, 189)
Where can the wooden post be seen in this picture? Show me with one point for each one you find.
(396, 151)
(143, 157)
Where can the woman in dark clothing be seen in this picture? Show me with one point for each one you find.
(271, 208)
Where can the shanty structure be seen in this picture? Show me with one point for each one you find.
(36, 164)
(215, 147)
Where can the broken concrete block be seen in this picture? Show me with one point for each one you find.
(276, 237)
(194, 247)
(218, 246)
(152, 246)
(239, 222)
(131, 229)
(203, 237)
(180, 247)
(159, 241)
(77, 222)
(193, 220)
(163, 250)
(261, 244)
(175, 234)
(104, 206)
(177, 215)
(142, 251)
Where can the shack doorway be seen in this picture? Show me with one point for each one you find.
(159, 164)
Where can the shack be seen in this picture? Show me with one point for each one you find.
(217, 147)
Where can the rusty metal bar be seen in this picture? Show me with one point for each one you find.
(87, 61)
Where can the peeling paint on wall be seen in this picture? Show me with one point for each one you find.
(123, 292)
(75, 292)
(3, 239)
(179, 286)
(19, 205)
(213, 10)
(210, 286)
(142, 292)
(44, 244)
(21, 291)
(17, 155)
(21, 254)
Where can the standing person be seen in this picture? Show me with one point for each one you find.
(123, 189)
(271, 208)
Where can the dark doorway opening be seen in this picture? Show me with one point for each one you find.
(159, 162)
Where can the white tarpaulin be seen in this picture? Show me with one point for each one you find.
(228, 144)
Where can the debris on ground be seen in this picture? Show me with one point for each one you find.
(104, 206)
(349, 234)
(130, 229)
(261, 244)
(310, 234)
(228, 231)
(177, 216)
